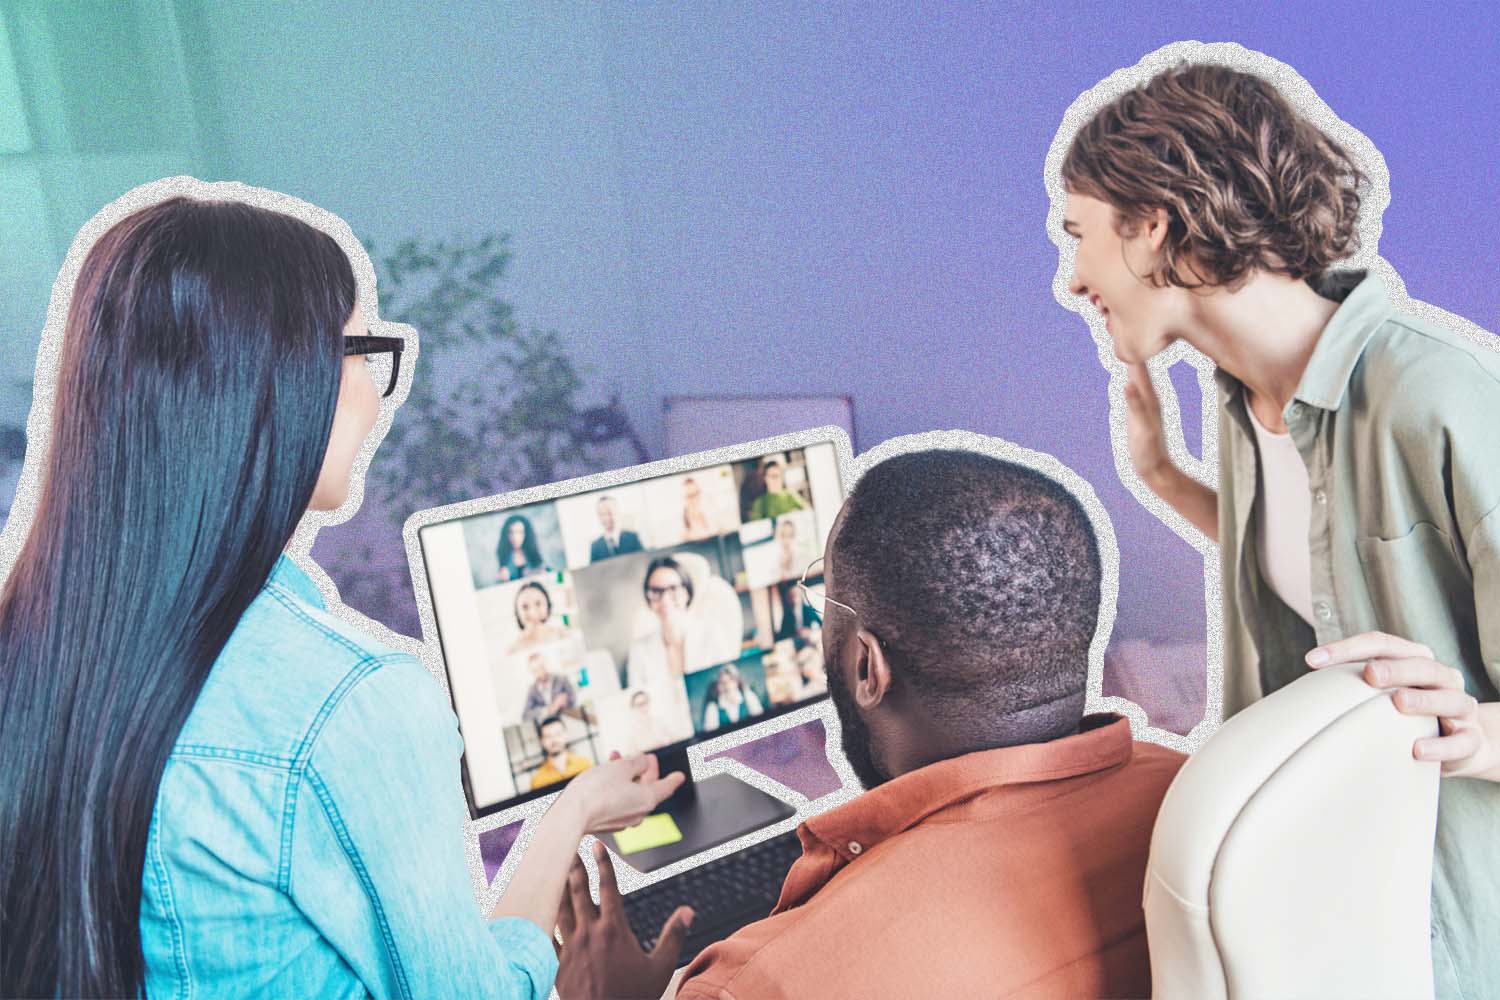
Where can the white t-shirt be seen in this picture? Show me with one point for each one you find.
(647, 665)
(1284, 519)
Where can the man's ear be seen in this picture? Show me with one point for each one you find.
(872, 670)
(1154, 226)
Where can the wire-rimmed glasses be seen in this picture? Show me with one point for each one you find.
(816, 599)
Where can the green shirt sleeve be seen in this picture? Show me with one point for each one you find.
(1483, 546)
(1460, 397)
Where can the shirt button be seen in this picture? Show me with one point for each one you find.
(854, 847)
(1323, 611)
(1322, 497)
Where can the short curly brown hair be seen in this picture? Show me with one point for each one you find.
(1247, 183)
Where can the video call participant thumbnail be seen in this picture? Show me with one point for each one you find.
(693, 507)
(684, 634)
(548, 693)
(776, 499)
(696, 524)
(794, 671)
(729, 699)
(780, 548)
(649, 720)
(533, 611)
(1001, 843)
(561, 763)
(518, 552)
(794, 617)
(613, 541)
(787, 549)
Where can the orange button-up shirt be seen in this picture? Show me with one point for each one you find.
(1004, 873)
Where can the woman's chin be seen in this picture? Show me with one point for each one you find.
(329, 497)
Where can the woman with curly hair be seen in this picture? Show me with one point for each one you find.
(1358, 508)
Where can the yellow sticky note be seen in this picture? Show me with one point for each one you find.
(653, 831)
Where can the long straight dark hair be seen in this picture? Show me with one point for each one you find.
(200, 367)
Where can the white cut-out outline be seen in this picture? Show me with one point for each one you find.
(1374, 197)
(850, 468)
(39, 418)
(529, 813)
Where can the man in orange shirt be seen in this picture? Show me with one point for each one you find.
(1000, 848)
(560, 763)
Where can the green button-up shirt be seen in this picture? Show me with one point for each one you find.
(1398, 422)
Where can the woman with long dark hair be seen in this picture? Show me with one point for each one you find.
(210, 783)
(518, 552)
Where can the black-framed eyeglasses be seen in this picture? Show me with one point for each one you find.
(376, 349)
(654, 594)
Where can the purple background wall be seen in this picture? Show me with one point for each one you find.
(764, 198)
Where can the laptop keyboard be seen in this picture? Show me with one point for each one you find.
(725, 894)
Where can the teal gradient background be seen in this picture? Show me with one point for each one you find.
(721, 199)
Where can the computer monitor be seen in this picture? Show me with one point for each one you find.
(642, 616)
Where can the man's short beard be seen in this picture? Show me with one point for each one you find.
(855, 738)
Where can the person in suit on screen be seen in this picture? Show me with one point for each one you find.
(613, 542)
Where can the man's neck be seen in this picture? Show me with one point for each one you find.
(923, 737)
(1264, 335)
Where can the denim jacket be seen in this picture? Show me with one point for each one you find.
(308, 835)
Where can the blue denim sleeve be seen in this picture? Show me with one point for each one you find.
(377, 856)
(527, 948)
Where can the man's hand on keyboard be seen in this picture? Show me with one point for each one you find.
(600, 957)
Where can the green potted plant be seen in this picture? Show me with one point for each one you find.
(495, 405)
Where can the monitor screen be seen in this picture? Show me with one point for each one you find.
(633, 618)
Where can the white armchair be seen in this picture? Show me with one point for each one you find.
(1292, 856)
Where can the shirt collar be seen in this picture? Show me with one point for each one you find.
(289, 575)
(1363, 306)
(907, 800)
